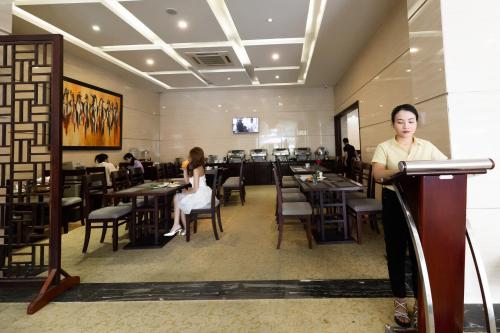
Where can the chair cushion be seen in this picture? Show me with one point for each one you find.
(110, 212)
(364, 205)
(294, 197)
(68, 201)
(355, 195)
(287, 178)
(291, 190)
(289, 183)
(232, 182)
(296, 208)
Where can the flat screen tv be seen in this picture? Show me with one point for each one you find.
(245, 125)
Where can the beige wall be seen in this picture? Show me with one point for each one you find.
(140, 111)
(288, 117)
(382, 77)
(5, 17)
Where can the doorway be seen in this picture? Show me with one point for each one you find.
(347, 126)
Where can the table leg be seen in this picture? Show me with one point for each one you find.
(133, 221)
(322, 215)
(156, 218)
(344, 214)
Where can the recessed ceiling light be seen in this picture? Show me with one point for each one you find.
(413, 50)
(163, 107)
(275, 56)
(182, 24)
(219, 106)
(229, 78)
(380, 106)
(150, 61)
(171, 11)
(225, 111)
(269, 20)
(408, 70)
(96, 28)
(276, 76)
(254, 110)
(280, 104)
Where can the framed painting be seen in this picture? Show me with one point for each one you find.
(91, 117)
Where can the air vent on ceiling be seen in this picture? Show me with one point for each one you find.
(210, 59)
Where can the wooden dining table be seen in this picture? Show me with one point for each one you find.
(303, 170)
(328, 199)
(153, 193)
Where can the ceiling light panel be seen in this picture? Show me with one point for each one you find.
(180, 80)
(261, 56)
(162, 62)
(220, 79)
(68, 17)
(203, 26)
(251, 17)
(290, 75)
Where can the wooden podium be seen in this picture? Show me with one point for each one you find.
(433, 195)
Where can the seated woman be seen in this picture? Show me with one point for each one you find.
(196, 197)
(101, 160)
(134, 163)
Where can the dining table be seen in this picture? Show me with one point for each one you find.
(157, 197)
(328, 199)
(308, 169)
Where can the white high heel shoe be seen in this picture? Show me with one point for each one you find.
(173, 232)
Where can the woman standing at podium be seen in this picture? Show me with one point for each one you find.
(404, 146)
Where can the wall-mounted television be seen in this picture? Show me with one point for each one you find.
(245, 125)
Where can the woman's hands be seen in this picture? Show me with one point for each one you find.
(379, 171)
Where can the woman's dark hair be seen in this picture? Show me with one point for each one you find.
(129, 155)
(101, 158)
(197, 159)
(403, 107)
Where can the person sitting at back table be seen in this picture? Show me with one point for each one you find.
(134, 163)
(101, 160)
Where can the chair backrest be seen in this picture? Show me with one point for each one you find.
(72, 182)
(241, 180)
(215, 187)
(357, 171)
(136, 176)
(277, 166)
(279, 196)
(369, 180)
(94, 187)
(120, 180)
(90, 170)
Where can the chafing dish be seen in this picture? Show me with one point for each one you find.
(321, 153)
(302, 153)
(235, 156)
(281, 154)
(258, 155)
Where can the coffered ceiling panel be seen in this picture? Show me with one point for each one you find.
(288, 18)
(235, 78)
(138, 59)
(78, 19)
(261, 56)
(180, 80)
(285, 76)
(202, 26)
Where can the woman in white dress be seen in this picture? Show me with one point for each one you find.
(198, 196)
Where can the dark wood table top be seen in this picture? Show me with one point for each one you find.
(331, 182)
(301, 169)
(156, 188)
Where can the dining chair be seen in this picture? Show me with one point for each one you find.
(288, 185)
(235, 184)
(212, 210)
(365, 209)
(136, 176)
(100, 217)
(280, 171)
(292, 210)
(72, 184)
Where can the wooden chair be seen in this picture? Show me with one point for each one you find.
(72, 180)
(368, 207)
(99, 218)
(292, 210)
(212, 209)
(96, 192)
(235, 184)
(286, 182)
(136, 176)
(279, 167)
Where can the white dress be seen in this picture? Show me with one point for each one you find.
(197, 200)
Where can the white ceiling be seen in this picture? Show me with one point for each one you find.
(141, 29)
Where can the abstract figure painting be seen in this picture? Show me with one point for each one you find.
(91, 117)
